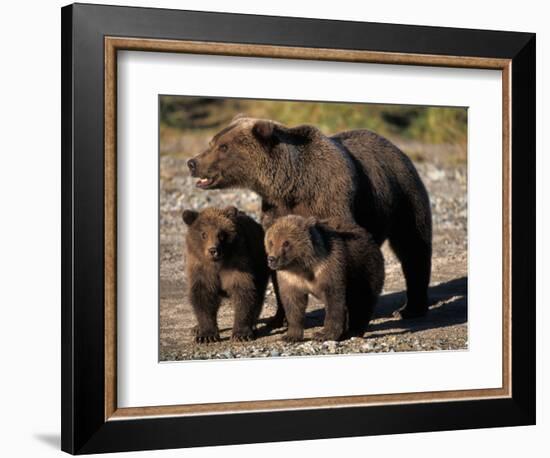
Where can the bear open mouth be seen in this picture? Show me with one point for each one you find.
(205, 183)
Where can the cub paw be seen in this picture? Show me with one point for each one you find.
(292, 338)
(323, 336)
(207, 337)
(242, 336)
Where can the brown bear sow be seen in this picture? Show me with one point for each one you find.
(355, 176)
(340, 264)
(225, 259)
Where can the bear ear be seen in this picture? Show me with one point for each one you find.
(238, 116)
(189, 216)
(231, 212)
(302, 135)
(305, 132)
(263, 130)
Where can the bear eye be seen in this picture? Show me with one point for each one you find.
(203, 235)
(222, 236)
(270, 244)
(286, 244)
(223, 148)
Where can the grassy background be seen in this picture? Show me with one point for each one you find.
(187, 123)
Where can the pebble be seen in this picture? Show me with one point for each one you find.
(369, 346)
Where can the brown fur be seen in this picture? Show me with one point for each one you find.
(338, 263)
(225, 258)
(356, 176)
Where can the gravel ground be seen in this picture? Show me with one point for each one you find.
(444, 328)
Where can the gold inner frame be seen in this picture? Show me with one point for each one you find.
(112, 45)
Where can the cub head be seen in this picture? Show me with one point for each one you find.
(237, 156)
(212, 232)
(290, 242)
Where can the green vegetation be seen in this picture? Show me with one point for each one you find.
(198, 117)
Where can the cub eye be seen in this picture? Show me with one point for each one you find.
(222, 236)
(270, 244)
(203, 235)
(286, 244)
(223, 148)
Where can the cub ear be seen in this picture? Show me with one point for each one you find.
(231, 212)
(263, 130)
(189, 216)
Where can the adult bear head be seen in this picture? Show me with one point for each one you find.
(252, 153)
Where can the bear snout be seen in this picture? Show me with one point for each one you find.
(215, 253)
(272, 262)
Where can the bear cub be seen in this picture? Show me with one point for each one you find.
(337, 262)
(225, 259)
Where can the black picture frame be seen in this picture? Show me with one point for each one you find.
(84, 428)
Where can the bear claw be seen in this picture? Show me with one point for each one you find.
(406, 313)
(209, 338)
(292, 339)
(323, 337)
(242, 337)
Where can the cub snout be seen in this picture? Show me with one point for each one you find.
(215, 253)
(273, 262)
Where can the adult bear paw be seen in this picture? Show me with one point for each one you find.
(410, 313)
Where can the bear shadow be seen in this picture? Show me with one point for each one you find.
(448, 307)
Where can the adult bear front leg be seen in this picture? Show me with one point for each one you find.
(205, 302)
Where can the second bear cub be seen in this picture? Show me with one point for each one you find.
(225, 259)
(338, 263)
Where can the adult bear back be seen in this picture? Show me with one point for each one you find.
(388, 185)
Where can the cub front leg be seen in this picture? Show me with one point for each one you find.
(246, 295)
(335, 316)
(206, 302)
(246, 308)
(294, 302)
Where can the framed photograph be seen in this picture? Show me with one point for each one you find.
(281, 228)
